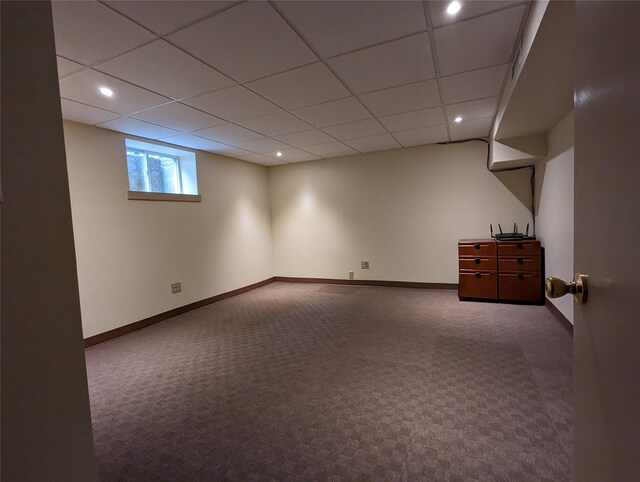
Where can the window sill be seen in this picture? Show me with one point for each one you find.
(163, 196)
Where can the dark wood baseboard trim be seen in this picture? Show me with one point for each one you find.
(559, 316)
(362, 282)
(137, 325)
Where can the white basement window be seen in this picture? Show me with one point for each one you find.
(161, 173)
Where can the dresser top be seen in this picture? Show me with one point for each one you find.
(473, 241)
(499, 241)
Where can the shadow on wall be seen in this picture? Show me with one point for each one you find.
(518, 183)
(541, 169)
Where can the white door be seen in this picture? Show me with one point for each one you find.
(607, 241)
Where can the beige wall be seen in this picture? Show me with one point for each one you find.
(403, 210)
(129, 252)
(554, 213)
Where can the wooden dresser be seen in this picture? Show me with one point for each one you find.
(500, 270)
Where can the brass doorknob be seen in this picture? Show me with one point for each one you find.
(556, 287)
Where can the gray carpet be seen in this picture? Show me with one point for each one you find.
(322, 382)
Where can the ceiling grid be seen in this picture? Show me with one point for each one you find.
(434, 53)
(329, 67)
(309, 79)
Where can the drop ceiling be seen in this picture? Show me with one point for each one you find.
(311, 79)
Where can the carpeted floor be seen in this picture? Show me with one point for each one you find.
(324, 382)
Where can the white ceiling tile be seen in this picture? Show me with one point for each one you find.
(163, 68)
(474, 109)
(334, 112)
(229, 151)
(86, 31)
(246, 42)
(306, 138)
(342, 26)
(380, 142)
(228, 133)
(179, 117)
(301, 87)
(331, 149)
(314, 158)
(479, 42)
(413, 120)
(83, 87)
(67, 67)
(403, 99)
(353, 130)
(424, 135)
(219, 148)
(276, 124)
(296, 155)
(261, 159)
(469, 129)
(84, 113)
(233, 104)
(263, 146)
(473, 85)
(469, 9)
(194, 142)
(394, 63)
(137, 128)
(166, 16)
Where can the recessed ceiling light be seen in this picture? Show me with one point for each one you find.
(457, 119)
(279, 154)
(453, 8)
(106, 91)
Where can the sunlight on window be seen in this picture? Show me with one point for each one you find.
(160, 169)
(152, 172)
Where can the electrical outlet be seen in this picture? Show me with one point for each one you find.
(175, 288)
(364, 264)
(351, 275)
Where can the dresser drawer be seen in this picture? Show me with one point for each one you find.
(526, 286)
(478, 284)
(520, 263)
(477, 248)
(519, 248)
(478, 263)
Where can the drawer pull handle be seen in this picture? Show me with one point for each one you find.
(477, 245)
(478, 274)
(520, 276)
(519, 245)
(477, 260)
(520, 261)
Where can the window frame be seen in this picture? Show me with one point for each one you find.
(176, 155)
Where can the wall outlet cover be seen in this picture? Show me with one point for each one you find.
(351, 275)
(175, 288)
(364, 264)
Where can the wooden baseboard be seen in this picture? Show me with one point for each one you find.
(137, 325)
(360, 282)
(559, 316)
